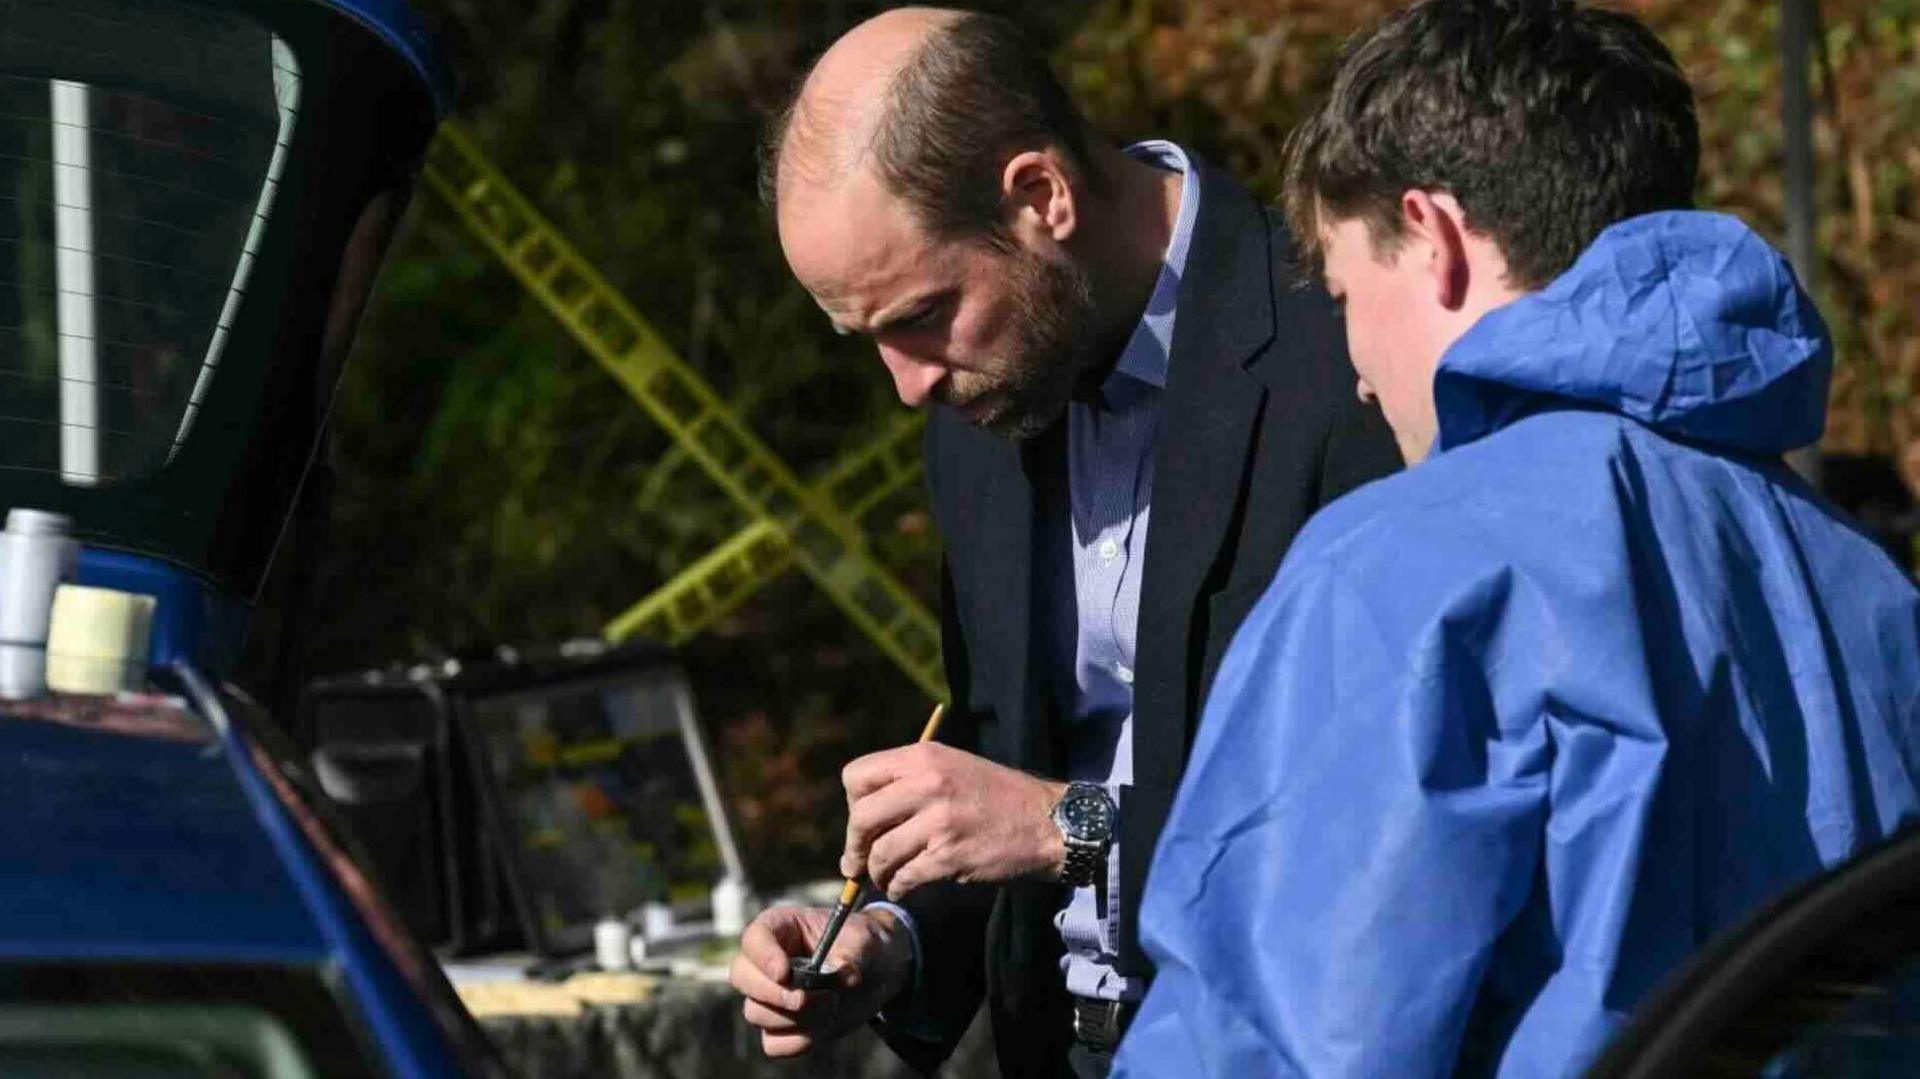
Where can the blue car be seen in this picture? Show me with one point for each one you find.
(194, 200)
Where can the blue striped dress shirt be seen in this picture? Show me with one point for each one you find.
(1095, 610)
(1097, 543)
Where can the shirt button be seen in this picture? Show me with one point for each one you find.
(1124, 673)
(1109, 550)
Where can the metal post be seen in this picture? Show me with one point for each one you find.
(703, 776)
(1797, 21)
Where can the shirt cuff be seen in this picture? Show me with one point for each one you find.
(906, 1012)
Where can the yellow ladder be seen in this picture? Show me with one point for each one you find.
(734, 570)
(815, 527)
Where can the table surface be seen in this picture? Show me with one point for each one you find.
(684, 1024)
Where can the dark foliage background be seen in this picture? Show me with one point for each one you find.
(489, 483)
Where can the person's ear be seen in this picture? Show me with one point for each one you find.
(1438, 223)
(1038, 199)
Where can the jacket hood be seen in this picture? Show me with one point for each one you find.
(1684, 321)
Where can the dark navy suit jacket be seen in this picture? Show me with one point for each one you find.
(1260, 426)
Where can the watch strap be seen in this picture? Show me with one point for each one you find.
(1083, 862)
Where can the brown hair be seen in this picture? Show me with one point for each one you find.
(1548, 120)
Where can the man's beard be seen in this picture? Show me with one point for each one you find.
(1054, 345)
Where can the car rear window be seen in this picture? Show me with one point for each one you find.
(129, 220)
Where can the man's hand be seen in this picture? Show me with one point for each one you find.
(928, 812)
(871, 957)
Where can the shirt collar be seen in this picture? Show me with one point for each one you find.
(1145, 356)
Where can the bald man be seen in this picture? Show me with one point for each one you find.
(1137, 403)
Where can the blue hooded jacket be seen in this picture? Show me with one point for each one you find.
(1517, 730)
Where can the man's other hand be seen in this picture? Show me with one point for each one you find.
(871, 957)
(928, 812)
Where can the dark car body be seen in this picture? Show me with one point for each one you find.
(197, 197)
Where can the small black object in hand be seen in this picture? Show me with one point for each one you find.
(809, 978)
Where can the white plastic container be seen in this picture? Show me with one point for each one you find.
(36, 555)
(656, 921)
(732, 907)
(612, 944)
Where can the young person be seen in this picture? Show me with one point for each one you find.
(1516, 731)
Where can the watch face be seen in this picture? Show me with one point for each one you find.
(1086, 814)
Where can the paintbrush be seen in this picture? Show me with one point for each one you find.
(811, 973)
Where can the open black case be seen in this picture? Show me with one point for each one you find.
(513, 801)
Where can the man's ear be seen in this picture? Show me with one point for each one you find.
(1038, 197)
(1437, 221)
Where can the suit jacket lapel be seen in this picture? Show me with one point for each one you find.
(1224, 318)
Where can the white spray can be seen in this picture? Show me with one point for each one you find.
(36, 554)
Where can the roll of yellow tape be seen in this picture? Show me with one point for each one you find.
(97, 640)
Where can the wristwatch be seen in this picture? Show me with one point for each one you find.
(1085, 817)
